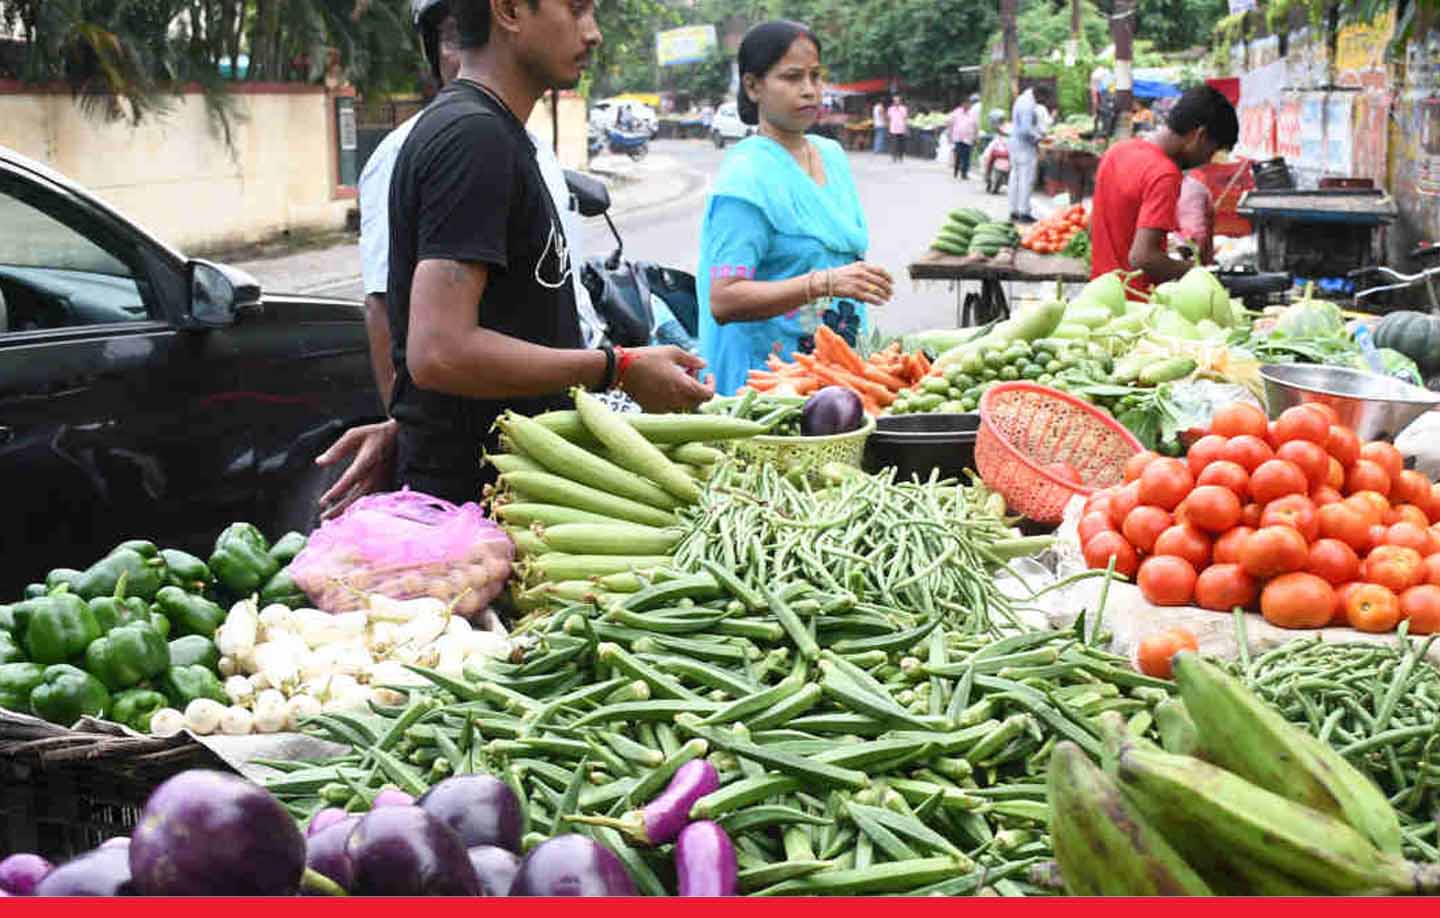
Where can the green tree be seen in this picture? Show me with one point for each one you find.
(1044, 26)
(1175, 25)
(626, 58)
(705, 80)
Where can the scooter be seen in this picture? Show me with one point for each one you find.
(996, 163)
(633, 144)
(641, 303)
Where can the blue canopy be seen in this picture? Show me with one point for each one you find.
(1154, 89)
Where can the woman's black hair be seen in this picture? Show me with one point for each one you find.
(760, 50)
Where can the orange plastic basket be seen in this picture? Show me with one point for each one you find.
(1024, 427)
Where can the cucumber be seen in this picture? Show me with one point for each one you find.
(1167, 370)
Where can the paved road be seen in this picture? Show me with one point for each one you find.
(905, 204)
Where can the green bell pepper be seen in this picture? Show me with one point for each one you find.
(160, 623)
(192, 649)
(35, 590)
(188, 613)
(283, 590)
(184, 684)
(241, 562)
(127, 655)
(17, 681)
(186, 571)
(144, 547)
(118, 609)
(135, 707)
(287, 547)
(10, 651)
(143, 575)
(65, 575)
(57, 627)
(66, 693)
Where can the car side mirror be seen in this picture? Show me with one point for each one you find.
(219, 294)
(592, 198)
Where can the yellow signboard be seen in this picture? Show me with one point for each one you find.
(687, 45)
(1360, 51)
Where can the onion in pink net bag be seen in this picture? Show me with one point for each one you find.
(405, 545)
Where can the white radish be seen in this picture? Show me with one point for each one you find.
(300, 707)
(270, 717)
(203, 715)
(166, 722)
(236, 721)
(240, 690)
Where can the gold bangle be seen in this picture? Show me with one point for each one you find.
(829, 283)
(809, 282)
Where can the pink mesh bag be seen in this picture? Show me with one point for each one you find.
(405, 545)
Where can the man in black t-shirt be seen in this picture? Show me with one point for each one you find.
(482, 308)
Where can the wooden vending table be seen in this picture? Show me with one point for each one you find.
(990, 303)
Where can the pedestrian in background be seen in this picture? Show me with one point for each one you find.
(899, 118)
(1025, 133)
(783, 238)
(877, 120)
(964, 125)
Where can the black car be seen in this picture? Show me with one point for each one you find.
(144, 394)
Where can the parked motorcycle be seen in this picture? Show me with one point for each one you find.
(640, 302)
(995, 163)
(634, 144)
(595, 139)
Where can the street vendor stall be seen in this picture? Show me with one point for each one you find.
(989, 303)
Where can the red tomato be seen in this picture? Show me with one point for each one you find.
(1144, 525)
(1227, 547)
(1408, 535)
(1212, 508)
(1092, 523)
(1205, 451)
(1123, 501)
(1271, 439)
(1434, 509)
(1311, 459)
(1154, 654)
(1104, 545)
(1302, 423)
(1371, 504)
(1394, 567)
(1325, 495)
(1345, 523)
(1250, 515)
(1136, 464)
(1420, 606)
(1239, 418)
(1296, 511)
(1384, 455)
(1165, 482)
(1340, 618)
(1275, 479)
(1335, 478)
(1371, 607)
(1222, 587)
(1365, 475)
(1226, 474)
(1297, 600)
(1331, 415)
(1343, 445)
(1166, 581)
(1410, 487)
(1247, 451)
(1333, 560)
(1093, 502)
(1186, 542)
(1431, 563)
(1409, 513)
(1272, 551)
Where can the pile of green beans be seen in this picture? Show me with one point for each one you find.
(862, 748)
(932, 546)
(1378, 704)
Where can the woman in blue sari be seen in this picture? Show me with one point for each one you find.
(783, 240)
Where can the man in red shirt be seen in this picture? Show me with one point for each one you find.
(1138, 185)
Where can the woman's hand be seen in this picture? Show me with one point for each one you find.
(858, 280)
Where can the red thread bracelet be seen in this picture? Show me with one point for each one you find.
(623, 359)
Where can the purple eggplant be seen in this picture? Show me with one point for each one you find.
(495, 867)
(572, 865)
(661, 819)
(204, 833)
(324, 819)
(482, 810)
(404, 851)
(705, 861)
(325, 851)
(832, 410)
(392, 797)
(102, 872)
(20, 873)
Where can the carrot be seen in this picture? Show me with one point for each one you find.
(844, 355)
(763, 385)
(888, 380)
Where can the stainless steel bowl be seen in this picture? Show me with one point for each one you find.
(1377, 407)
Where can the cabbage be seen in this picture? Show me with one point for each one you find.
(1312, 319)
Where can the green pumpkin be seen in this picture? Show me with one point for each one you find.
(1414, 334)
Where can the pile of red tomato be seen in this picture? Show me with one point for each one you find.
(1297, 517)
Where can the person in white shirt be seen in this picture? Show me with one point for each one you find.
(373, 445)
(877, 119)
